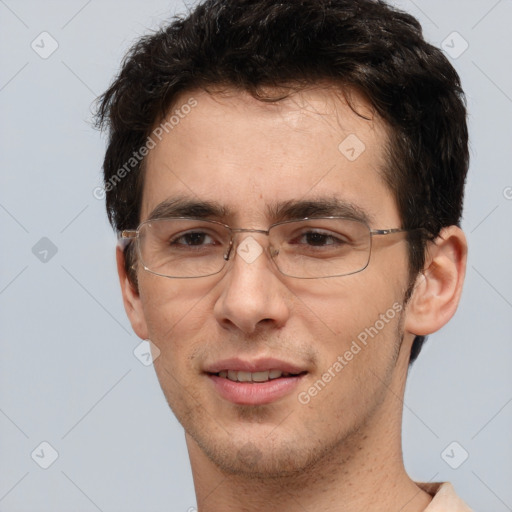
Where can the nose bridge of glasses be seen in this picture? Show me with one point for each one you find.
(250, 231)
(251, 246)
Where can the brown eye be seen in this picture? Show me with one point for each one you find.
(191, 239)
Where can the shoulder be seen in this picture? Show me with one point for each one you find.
(445, 498)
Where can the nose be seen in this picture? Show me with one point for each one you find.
(252, 295)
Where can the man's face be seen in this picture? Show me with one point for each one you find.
(248, 155)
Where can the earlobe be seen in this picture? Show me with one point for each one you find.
(438, 287)
(131, 298)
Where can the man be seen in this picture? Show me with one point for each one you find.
(286, 179)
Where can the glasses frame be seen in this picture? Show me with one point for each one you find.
(127, 236)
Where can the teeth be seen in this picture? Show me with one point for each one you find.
(275, 374)
(240, 376)
(260, 376)
(244, 377)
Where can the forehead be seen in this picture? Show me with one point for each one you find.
(247, 154)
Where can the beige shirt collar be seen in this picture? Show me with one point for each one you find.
(444, 498)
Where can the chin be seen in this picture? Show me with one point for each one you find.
(251, 461)
(266, 458)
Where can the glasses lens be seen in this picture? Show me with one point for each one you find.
(312, 248)
(182, 247)
(321, 247)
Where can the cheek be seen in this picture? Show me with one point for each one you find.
(354, 324)
(174, 318)
(356, 364)
(346, 306)
(173, 313)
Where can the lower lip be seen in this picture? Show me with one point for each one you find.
(254, 393)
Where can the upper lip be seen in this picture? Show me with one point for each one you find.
(254, 365)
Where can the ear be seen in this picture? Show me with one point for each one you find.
(438, 287)
(131, 298)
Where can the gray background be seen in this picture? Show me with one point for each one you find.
(68, 375)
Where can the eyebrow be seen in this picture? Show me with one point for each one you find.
(182, 206)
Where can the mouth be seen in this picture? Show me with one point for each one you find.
(254, 383)
(262, 376)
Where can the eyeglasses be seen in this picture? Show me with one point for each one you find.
(310, 248)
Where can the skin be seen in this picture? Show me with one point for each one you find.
(342, 450)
